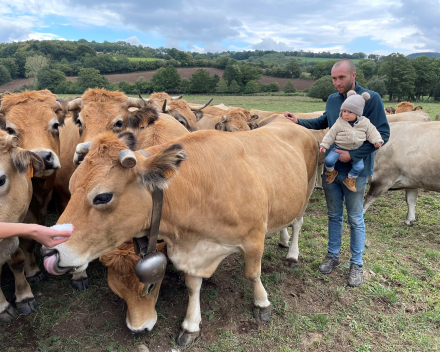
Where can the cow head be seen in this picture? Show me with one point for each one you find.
(123, 281)
(234, 121)
(16, 166)
(99, 110)
(35, 117)
(110, 185)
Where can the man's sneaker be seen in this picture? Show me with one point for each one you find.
(330, 176)
(350, 183)
(329, 264)
(356, 276)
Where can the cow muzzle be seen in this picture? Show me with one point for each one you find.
(51, 261)
(151, 268)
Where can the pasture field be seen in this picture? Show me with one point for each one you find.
(143, 59)
(397, 308)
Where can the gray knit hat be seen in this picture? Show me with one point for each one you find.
(355, 102)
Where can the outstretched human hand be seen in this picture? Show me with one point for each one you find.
(290, 116)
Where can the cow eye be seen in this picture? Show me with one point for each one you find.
(55, 126)
(78, 123)
(10, 130)
(2, 180)
(150, 288)
(102, 198)
(118, 124)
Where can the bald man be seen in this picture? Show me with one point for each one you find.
(336, 193)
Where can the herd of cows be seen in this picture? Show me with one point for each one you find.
(100, 157)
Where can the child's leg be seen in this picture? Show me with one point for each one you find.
(356, 169)
(331, 159)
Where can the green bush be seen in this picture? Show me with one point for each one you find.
(50, 78)
(252, 87)
(289, 87)
(322, 88)
(377, 85)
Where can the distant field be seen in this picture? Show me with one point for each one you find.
(319, 59)
(142, 59)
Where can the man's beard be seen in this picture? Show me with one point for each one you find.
(348, 87)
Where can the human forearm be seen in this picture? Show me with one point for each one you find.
(16, 229)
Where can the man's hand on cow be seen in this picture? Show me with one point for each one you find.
(378, 145)
(290, 116)
(344, 155)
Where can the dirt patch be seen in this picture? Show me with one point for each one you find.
(300, 84)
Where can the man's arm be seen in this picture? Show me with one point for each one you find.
(320, 123)
(376, 114)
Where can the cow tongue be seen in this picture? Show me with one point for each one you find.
(50, 262)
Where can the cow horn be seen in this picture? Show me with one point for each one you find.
(144, 153)
(74, 104)
(201, 106)
(140, 96)
(135, 102)
(127, 158)
(13, 141)
(224, 118)
(165, 108)
(177, 97)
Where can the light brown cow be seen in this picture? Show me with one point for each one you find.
(389, 110)
(206, 214)
(15, 197)
(404, 106)
(234, 121)
(409, 116)
(123, 281)
(35, 117)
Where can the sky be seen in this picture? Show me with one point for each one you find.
(369, 26)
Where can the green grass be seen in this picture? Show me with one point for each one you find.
(142, 59)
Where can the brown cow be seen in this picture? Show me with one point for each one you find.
(15, 197)
(206, 214)
(123, 281)
(389, 110)
(35, 118)
(404, 106)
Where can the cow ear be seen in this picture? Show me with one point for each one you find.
(220, 126)
(62, 110)
(157, 170)
(26, 161)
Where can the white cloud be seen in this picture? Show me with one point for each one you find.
(133, 41)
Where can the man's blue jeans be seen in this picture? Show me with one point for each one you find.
(336, 194)
(332, 157)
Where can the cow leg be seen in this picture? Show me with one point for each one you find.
(7, 312)
(284, 240)
(190, 326)
(292, 255)
(411, 200)
(252, 270)
(24, 299)
(375, 191)
(319, 171)
(80, 281)
(33, 272)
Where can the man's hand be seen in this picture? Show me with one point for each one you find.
(378, 145)
(290, 116)
(47, 236)
(322, 149)
(344, 155)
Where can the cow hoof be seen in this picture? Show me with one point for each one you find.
(40, 276)
(283, 248)
(262, 314)
(8, 314)
(290, 263)
(80, 284)
(186, 338)
(410, 223)
(26, 306)
(206, 279)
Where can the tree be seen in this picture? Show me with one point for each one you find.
(185, 86)
(232, 73)
(369, 68)
(289, 87)
(322, 88)
(399, 76)
(127, 87)
(5, 76)
(274, 87)
(360, 78)
(426, 76)
(234, 87)
(293, 68)
(249, 73)
(50, 78)
(222, 87)
(82, 49)
(200, 81)
(377, 85)
(90, 78)
(252, 87)
(143, 86)
(34, 64)
(166, 79)
(436, 92)
(221, 62)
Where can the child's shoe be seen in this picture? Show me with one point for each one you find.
(350, 183)
(330, 176)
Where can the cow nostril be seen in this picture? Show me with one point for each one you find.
(48, 159)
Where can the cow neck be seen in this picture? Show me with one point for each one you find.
(147, 243)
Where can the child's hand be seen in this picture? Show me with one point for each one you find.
(322, 149)
(378, 145)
